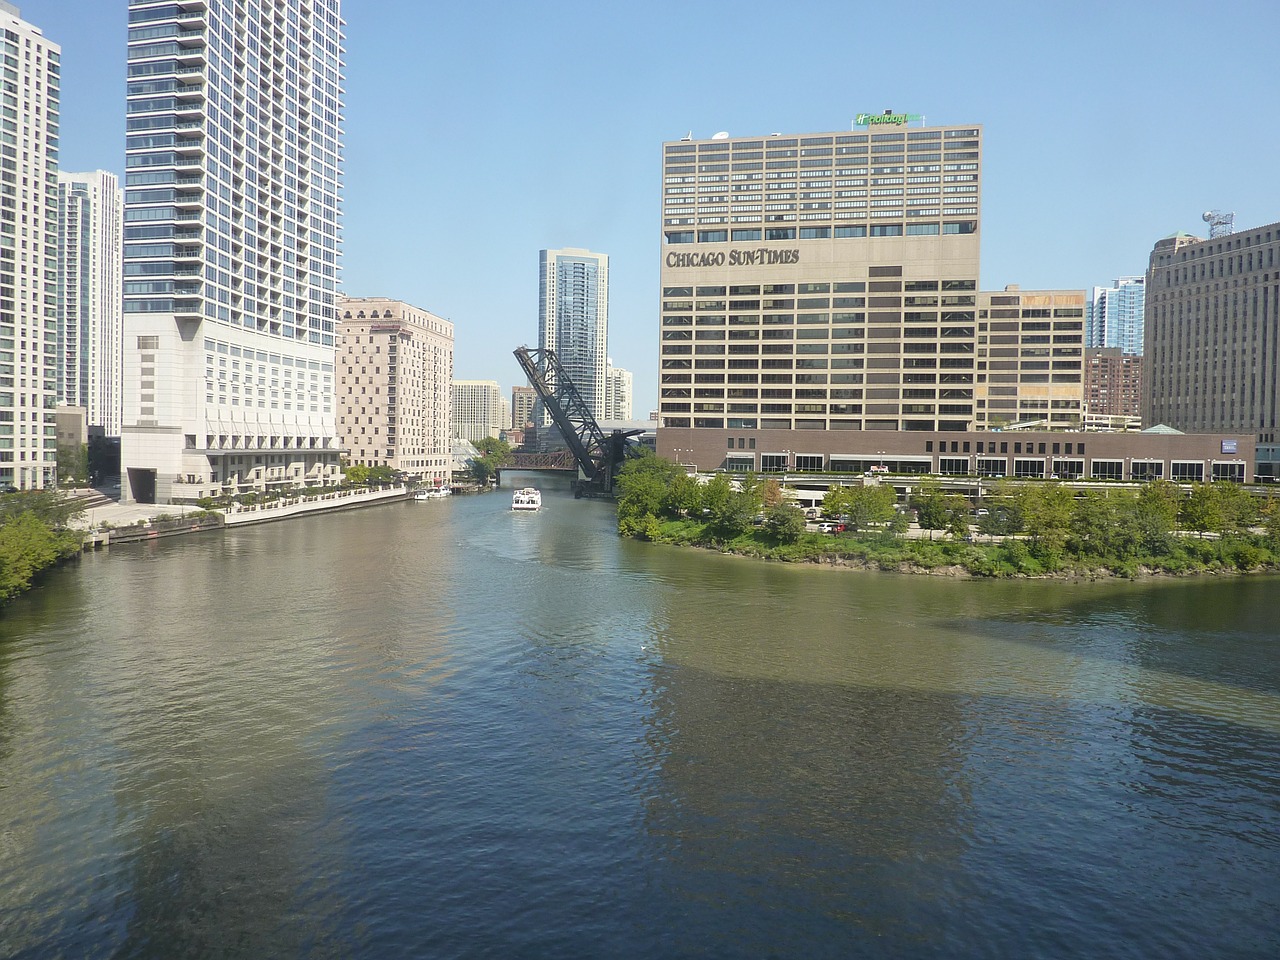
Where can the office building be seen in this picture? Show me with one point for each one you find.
(90, 316)
(395, 396)
(617, 393)
(232, 246)
(573, 318)
(522, 403)
(1112, 389)
(479, 410)
(821, 284)
(1212, 360)
(28, 264)
(1115, 315)
(1030, 354)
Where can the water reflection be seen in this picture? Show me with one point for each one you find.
(444, 729)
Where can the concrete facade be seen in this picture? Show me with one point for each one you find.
(618, 390)
(522, 403)
(821, 284)
(395, 386)
(1212, 359)
(28, 262)
(479, 410)
(1030, 359)
(232, 248)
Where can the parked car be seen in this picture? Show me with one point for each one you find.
(829, 527)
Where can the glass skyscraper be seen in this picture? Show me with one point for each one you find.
(89, 311)
(232, 246)
(1115, 315)
(573, 318)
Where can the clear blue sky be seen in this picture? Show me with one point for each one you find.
(479, 133)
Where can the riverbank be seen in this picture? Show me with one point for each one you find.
(1007, 557)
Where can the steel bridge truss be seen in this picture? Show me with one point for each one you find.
(597, 456)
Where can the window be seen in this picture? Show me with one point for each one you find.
(815, 233)
(780, 233)
(886, 230)
(962, 226)
(679, 236)
(850, 231)
(746, 234)
(713, 236)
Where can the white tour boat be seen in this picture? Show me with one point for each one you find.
(527, 498)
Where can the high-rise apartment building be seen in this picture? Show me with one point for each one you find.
(1115, 315)
(28, 263)
(479, 409)
(232, 246)
(617, 393)
(90, 317)
(573, 318)
(817, 286)
(1112, 389)
(522, 403)
(1212, 361)
(395, 376)
(1030, 350)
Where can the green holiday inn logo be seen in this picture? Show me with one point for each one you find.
(890, 119)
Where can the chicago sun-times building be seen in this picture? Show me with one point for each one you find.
(820, 312)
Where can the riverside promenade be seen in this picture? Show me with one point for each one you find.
(105, 519)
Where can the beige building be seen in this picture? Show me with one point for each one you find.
(479, 410)
(617, 393)
(1030, 351)
(522, 403)
(821, 284)
(395, 375)
(28, 255)
(1212, 356)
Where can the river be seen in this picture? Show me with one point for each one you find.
(446, 730)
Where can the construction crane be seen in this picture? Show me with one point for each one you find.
(598, 456)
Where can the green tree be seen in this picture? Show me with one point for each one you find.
(869, 506)
(73, 463)
(643, 486)
(1046, 516)
(494, 454)
(931, 509)
(771, 492)
(684, 496)
(1202, 510)
(785, 522)
(1155, 516)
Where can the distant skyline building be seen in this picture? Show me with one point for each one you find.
(1115, 316)
(617, 392)
(395, 387)
(573, 317)
(479, 409)
(233, 221)
(522, 404)
(1213, 337)
(90, 312)
(28, 258)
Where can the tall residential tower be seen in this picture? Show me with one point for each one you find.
(90, 320)
(573, 317)
(1116, 315)
(28, 262)
(232, 245)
